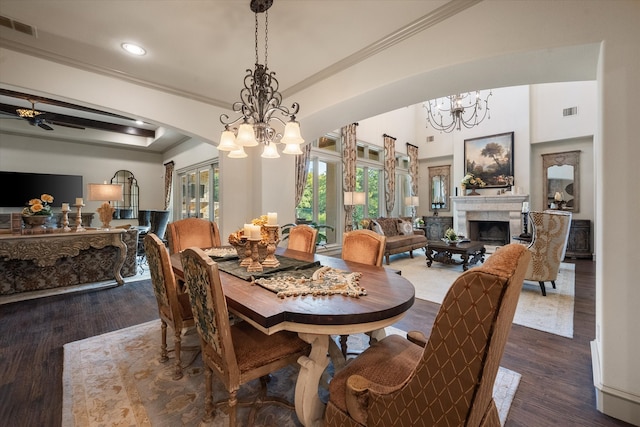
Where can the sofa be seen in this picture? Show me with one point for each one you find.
(401, 237)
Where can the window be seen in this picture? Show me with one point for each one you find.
(199, 192)
(319, 202)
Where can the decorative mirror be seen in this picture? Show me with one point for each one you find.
(561, 181)
(128, 207)
(439, 188)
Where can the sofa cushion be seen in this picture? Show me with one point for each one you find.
(375, 226)
(402, 241)
(389, 226)
(405, 227)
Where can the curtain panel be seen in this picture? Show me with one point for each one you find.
(168, 180)
(349, 156)
(412, 151)
(389, 172)
(302, 170)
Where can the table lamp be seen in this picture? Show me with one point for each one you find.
(105, 193)
(353, 198)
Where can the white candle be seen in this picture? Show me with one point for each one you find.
(272, 218)
(255, 232)
(79, 201)
(525, 207)
(65, 206)
(247, 230)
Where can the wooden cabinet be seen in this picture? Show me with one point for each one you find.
(435, 226)
(579, 244)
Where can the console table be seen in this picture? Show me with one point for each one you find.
(44, 261)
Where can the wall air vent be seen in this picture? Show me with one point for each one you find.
(430, 138)
(18, 26)
(571, 111)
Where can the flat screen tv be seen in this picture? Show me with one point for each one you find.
(17, 188)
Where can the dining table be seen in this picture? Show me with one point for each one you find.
(317, 317)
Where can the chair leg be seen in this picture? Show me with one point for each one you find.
(163, 345)
(233, 408)
(553, 283)
(208, 396)
(387, 258)
(411, 253)
(177, 346)
(544, 291)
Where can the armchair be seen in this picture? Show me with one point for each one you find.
(548, 246)
(450, 380)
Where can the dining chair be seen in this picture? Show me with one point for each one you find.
(446, 379)
(189, 232)
(237, 353)
(366, 247)
(548, 246)
(173, 306)
(363, 246)
(303, 238)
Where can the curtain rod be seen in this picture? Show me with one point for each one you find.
(389, 136)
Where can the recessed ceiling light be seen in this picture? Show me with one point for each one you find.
(139, 122)
(133, 49)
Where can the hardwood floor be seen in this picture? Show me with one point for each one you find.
(556, 386)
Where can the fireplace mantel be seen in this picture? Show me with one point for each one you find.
(504, 207)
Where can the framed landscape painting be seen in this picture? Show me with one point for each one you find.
(490, 158)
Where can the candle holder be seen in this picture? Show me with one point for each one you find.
(65, 220)
(79, 226)
(255, 264)
(246, 247)
(271, 260)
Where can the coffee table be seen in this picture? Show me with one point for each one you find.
(471, 252)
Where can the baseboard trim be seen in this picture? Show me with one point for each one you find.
(612, 402)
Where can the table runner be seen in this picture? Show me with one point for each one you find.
(231, 266)
(322, 281)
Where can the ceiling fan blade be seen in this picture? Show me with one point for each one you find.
(68, 125)
(44, 126)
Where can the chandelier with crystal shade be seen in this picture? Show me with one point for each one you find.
(454, 111)
(259, 101)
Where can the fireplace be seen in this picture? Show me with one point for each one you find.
(494, 233)
(498, 217)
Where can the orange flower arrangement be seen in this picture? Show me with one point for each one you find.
(41, 206)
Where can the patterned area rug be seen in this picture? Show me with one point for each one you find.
(553, 313)
(117, 379)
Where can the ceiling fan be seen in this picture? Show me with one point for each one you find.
(43, 120)
(35, 118)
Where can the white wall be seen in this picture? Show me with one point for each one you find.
(95, 163)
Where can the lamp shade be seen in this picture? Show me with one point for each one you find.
(227, 141)
(246, 136)
(270, 151)
(104, 192)
(292, 149)
(238, 154)
(352, 198)
(292, 133)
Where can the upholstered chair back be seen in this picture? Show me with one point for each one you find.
(158, 223)
(450, 381)
(188, 232)
(211, 314)
(173, 306)
(303, 238)
(363, 246)
(235, 353)
(549, 244)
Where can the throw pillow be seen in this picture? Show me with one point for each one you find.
(405, 228)
(376, 227)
